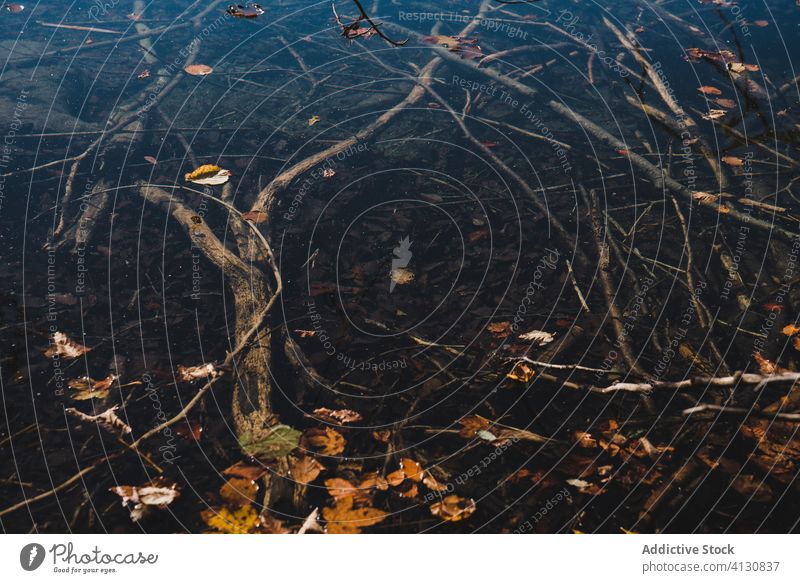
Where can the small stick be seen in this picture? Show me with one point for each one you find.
(577, 289)
(741, 411)
(77, 27)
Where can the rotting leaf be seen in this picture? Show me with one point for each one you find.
(342, 518)
(64, 347)
(270, 443)
(328, 440)
(243, 470)
(453, 508)
(500, 329)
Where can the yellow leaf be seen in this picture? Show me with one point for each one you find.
(521, 372)
(453, 508)
(208, 174)
(224, 520)
(313, 119)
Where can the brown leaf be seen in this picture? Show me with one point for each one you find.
(727, 103)
(471, 424)
(306, 469)
(521, 372)
(709, 90)
(243, 470)
(237, 492)
(342, 518)
(328, 440)
(500, 329)
(453, 508)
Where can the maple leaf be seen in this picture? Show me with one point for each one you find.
(328, 440)
(243, 520)
(342, 518)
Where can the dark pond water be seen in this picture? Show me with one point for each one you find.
(651, 238)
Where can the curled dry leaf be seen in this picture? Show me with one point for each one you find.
(88, 388)
(740, 68)
(198, 70)
(328, 173)
(342, 518)
(313, 119)
(767, 367)
(62, 346)
(305, 469)
(189, 374)
(108, 419)
(328, 440)
(208, 175)
(521, 372)
(453, 508)
(339, 416)
(144, 496)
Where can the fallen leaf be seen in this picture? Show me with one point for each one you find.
(500, 329)
(760, 23)
(144, 496)
(340, 416)
(342, 518)
(313, 119)
(537, 337)
(728, 103)
(243, 470)
(453, 508)
(62, 346)
(150, 159)
(199, 70)
(715, 114)
(401, 275)
(208, 175)
(189, 374)
(238, 492)
(732, 161)
(767, 367)
(709, 90)
(328, 173)
(243, 520)
(472, 424)
(88, 388)
(245, 10)
(328, 440)
(144, 74)
(15, 8)
(740, 68)
(305, 470)
(270, 443)
(521, 372)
